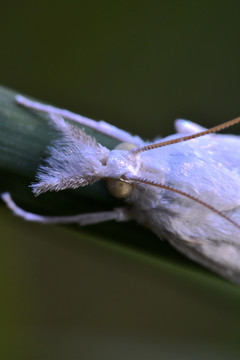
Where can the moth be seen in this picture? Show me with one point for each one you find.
(185, 188)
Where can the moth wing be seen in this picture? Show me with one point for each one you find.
(226, 149)
(209, 240)
(222, 257)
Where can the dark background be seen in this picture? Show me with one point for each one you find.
(138, 65)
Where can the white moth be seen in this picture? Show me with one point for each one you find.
(187, 192)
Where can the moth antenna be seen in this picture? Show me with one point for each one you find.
(183, 193)
(188, 137)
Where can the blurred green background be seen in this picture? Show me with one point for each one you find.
(69, 293)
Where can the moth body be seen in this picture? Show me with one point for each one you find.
(197, 167)
(160, 187)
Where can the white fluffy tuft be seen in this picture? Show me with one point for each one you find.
(75, 160)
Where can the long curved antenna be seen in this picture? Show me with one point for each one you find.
(188, 137)
(183, 193)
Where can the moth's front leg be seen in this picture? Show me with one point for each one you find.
(100, 126)
(117, 214)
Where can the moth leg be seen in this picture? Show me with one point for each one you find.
(187, 127)
(117, 214)
(100, 126)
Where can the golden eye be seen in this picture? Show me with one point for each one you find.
(118, 188)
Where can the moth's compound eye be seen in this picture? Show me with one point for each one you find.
(118, 188)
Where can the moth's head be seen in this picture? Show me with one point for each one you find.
(76, 160)
(121, 188)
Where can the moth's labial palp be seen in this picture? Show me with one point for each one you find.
(119, 188)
